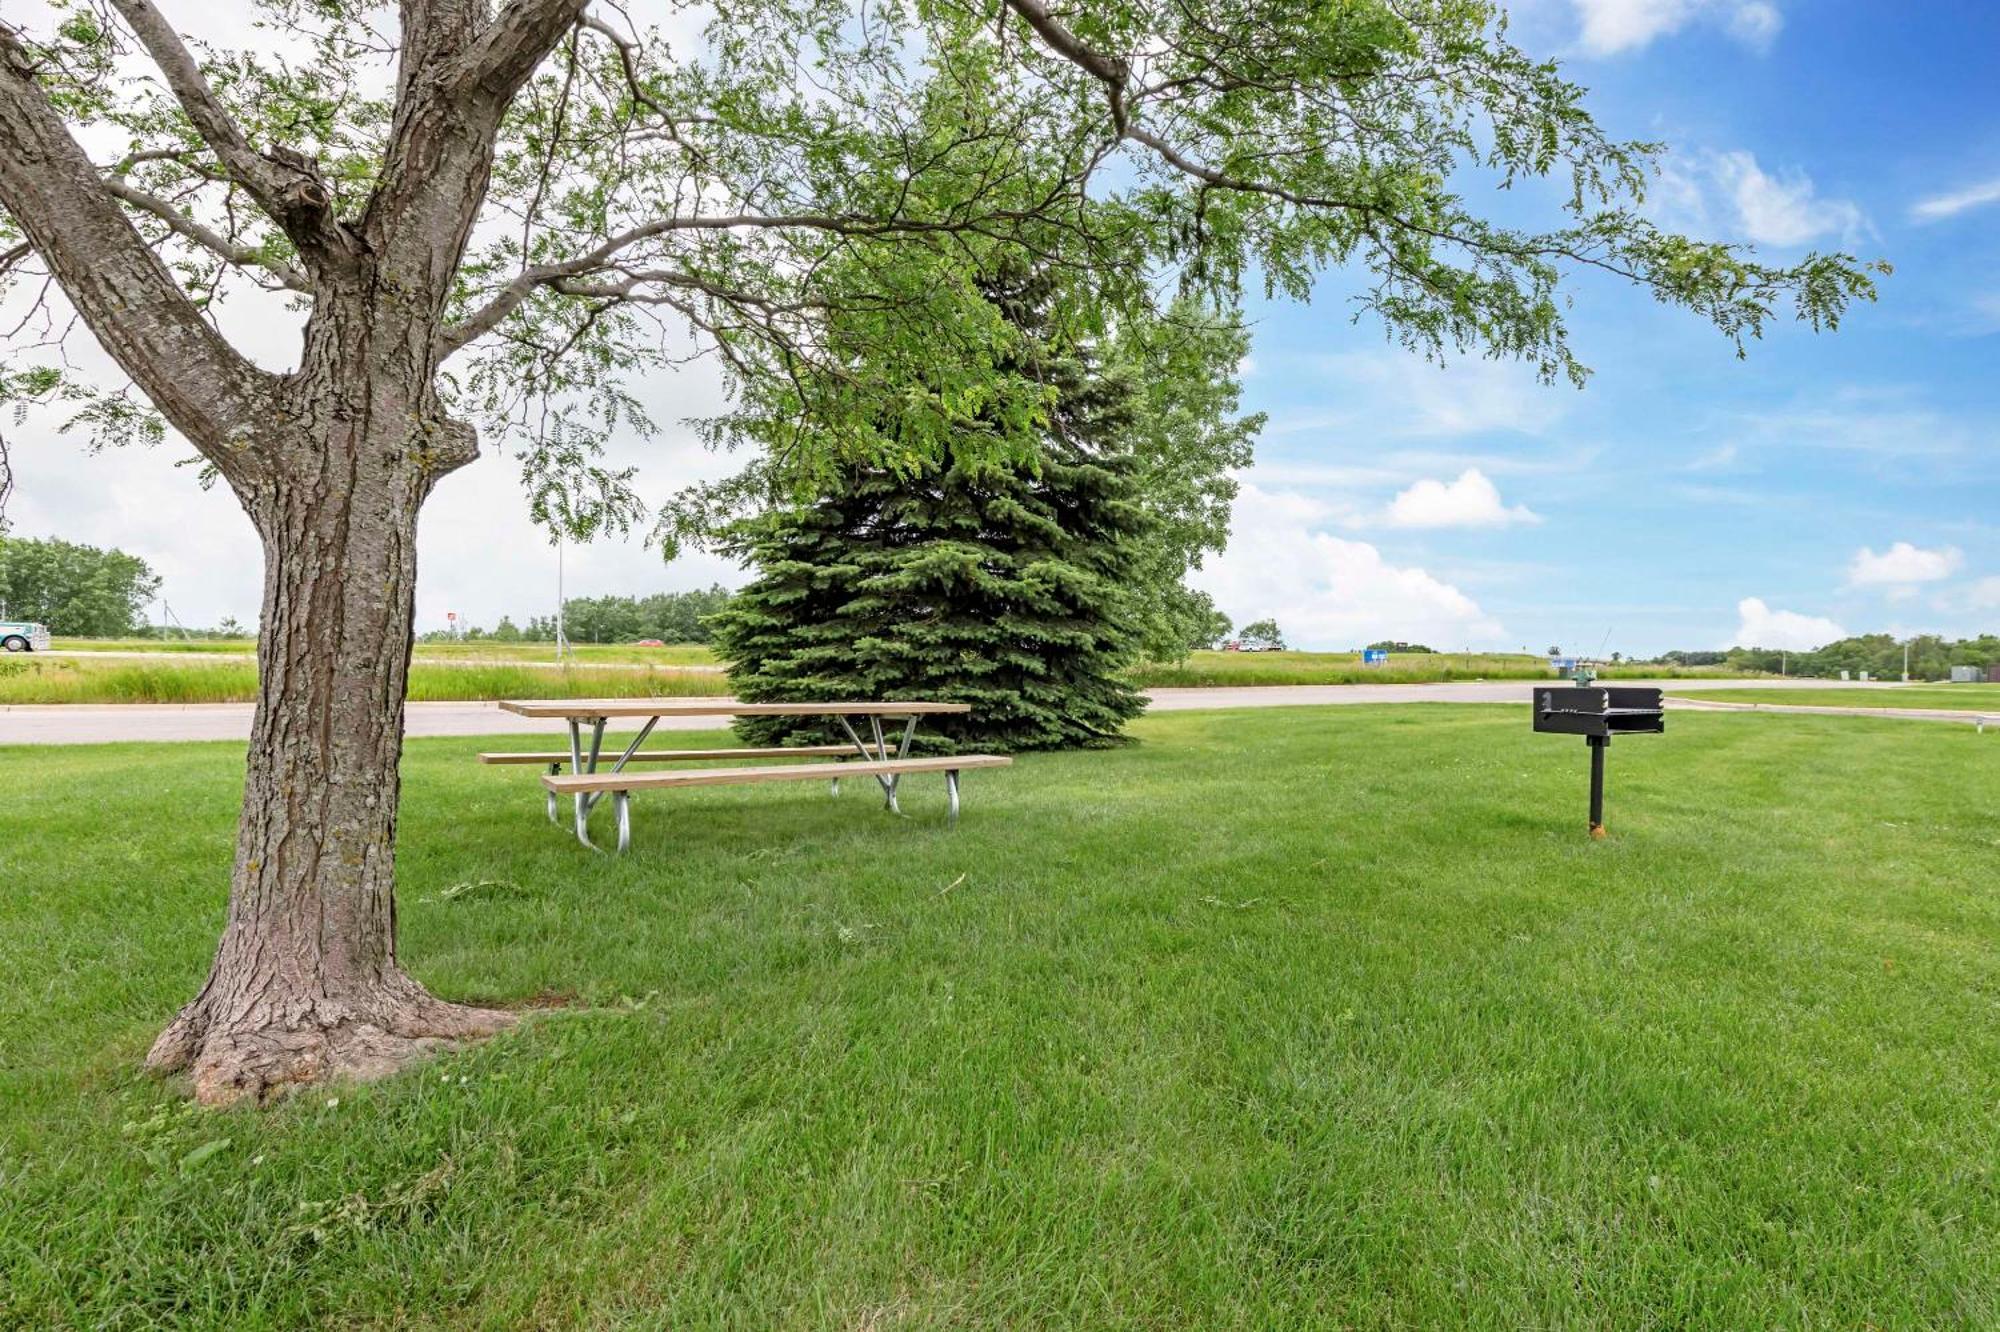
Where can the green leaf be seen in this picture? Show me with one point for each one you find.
(212, 1148)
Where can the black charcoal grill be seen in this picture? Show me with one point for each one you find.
(1597, 714)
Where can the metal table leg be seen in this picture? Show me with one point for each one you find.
(621, 801)
(862, 745)
(580, 764)
(626, 757)
(902, 752)
(880, 753)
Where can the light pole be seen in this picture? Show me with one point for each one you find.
(1906, 661)
(562, 639)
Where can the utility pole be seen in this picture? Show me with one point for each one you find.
(1906, 661)
(562, 639)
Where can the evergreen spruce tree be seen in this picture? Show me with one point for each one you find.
(1005, 584)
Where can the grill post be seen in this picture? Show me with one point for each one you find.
(1597, 714)
(1598, 744)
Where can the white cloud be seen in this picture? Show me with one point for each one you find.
(1755, 24)
(1611, 26)
(1470, 501)
(1883, 422)
(1328, 592)
(1784, 209)
(1903, 565)
(1708, 192)
(1951, 205)
(1984, 594)
(1396, 394)
(1760, 626)
(1719, 459)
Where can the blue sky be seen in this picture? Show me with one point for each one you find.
(1842, 482)
(1685, 498)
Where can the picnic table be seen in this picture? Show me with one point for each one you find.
(870, 755)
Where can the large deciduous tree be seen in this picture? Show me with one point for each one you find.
(494, 214)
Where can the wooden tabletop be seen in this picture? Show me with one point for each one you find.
(720, 707)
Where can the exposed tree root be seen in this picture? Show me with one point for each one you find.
(264, 1050)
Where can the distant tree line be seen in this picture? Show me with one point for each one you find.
(671, 617)
(77, 591)
(1881, 655)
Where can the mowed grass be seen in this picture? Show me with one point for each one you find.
(1960, 697)
(40, 679)
(1287, 1018)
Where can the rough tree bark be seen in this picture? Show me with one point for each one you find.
(305, 983)
(332, 462)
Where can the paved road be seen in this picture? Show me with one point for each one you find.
(1982, 719)
(78, 723)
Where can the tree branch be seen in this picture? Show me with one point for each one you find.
(522, 286)
(502, 57)
(286, 187)
(455, 79)
(244, 256)
(1114, 74)
(124, 293)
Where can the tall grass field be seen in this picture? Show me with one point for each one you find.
(1284, 1018)
(485, 670)
(39, 679)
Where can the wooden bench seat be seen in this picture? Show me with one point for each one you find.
(588, 788)
(677, 755)
(590, 783)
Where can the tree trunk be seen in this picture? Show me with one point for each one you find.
(305, 984)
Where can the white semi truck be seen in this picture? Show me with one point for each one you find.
(23, 636)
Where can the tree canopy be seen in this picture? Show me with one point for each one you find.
(738, 188)
(78, 591)
(671, 617)
(1262, 634)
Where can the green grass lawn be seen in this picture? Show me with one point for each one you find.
(1961, 697)
(1287, 1018)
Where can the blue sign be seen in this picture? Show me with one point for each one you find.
(1562, 663)
(1374, 656)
